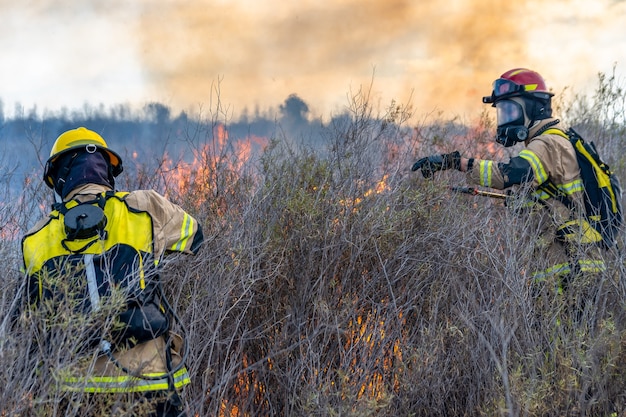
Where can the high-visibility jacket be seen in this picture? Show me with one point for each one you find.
(565, 243)
(123, 254)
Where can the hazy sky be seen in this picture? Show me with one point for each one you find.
(441, 54)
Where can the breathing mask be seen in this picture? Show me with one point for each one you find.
(511, 122)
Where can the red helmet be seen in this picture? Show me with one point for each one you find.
(518, 82)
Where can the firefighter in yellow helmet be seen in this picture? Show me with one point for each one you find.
(547, 165)
(96, 255)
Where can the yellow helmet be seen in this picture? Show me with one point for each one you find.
(77, 139)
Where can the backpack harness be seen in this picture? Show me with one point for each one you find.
(108, 255)
(601, 192)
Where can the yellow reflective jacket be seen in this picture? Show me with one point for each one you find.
(553, 161)
(122, 256)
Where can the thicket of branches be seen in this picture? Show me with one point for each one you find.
(335, 282)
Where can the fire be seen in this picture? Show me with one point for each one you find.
(214, 167)
(246, 386)
(368, 335)
(378, 188)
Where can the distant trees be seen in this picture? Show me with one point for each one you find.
(335, 282)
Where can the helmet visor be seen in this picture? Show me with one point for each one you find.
(503, 87)
(509, 111)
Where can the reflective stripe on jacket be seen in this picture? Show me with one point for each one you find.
(125, 383)
(141, 227)
(147, 357)
(552, 160)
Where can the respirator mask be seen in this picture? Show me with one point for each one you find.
(511, 123)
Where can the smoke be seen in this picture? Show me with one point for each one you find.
(468, 47)
(448, 54)
(441, 55)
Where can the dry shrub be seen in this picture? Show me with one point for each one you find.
(336, 282)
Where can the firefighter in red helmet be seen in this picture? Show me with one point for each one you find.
(547, 162)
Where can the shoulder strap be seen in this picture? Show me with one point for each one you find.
(555, 131)
(100, 199)
(548, 186)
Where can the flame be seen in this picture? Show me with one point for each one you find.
(378, 188)
(367, 332)
(213, 167)
(246, 386)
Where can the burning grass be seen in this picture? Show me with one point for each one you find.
(335, 282)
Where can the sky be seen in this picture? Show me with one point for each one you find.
(438, 56)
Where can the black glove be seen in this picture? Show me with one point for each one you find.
(431, 164)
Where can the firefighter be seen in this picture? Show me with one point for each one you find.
(98, 244)
(547, 166)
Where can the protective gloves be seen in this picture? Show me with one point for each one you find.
(431, 164)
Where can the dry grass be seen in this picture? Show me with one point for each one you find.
(335, 282)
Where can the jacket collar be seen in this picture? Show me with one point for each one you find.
(86, 190)
(539, 127)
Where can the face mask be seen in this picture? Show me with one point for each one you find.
(511, 123)
(80, 168)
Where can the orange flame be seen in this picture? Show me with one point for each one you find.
(215, 165)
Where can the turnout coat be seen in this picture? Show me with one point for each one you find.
(87, 261)
(565, 243)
